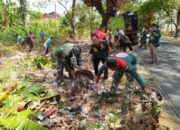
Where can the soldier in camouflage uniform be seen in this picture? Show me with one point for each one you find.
(124, 63)
(63, 57)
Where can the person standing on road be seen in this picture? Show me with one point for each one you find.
(124, 63)
(144, 37)
(154, 39)
(99, 51)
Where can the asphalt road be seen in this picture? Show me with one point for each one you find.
(167, 72)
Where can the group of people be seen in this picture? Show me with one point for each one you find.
(30, 38)
(120, 40)
(100, 51)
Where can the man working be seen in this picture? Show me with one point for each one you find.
(63, 59)
(30, 40)
(41, 34)
(124, 63)
(99, 51)
(100, 34)
(47, 44)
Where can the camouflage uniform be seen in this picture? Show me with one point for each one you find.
(127, 64)
(63, 60)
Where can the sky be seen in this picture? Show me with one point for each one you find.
(46, 7)
(50, 7)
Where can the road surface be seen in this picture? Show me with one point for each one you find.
(167, 73)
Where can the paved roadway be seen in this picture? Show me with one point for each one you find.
(167, 73)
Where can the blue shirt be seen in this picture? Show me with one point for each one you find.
(42, 34)
(48, 42)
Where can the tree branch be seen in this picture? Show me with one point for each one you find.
(168, 14)
(65, 8)
(97, 4)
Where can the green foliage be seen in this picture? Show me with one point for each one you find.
(150, 7)
(29, 125)
(12, 101)
(23, 13)
(116, 22)
(8, 35)
(31, 91)
(39, 62)
(65, 27)
(167, 33)
(11, 120)
(8, 14)
(19, 121)
(35, 15)
(34, 92)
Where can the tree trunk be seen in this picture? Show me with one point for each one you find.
(106, 15)
(73, 20)
(91, 19)
(178, 24)
(104, 22)
(147, 20)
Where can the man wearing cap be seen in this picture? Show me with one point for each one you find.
(63, 57)
(155, 36)
(123, 63)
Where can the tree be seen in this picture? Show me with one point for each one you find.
(8, 14)
(171, 7)
(149, 8)
(23, 13)
(73, 19)
(104, 8)
(70, 15)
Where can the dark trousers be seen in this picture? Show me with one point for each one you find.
(143, 43)
(96, 62)
(61, 64)
(46, 50)
(30, 46)
(127, 45)
(121, 44)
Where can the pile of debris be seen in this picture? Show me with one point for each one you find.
(76, 104)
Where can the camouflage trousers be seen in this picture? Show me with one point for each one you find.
(62, 64)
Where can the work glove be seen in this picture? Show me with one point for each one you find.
(154, 94)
